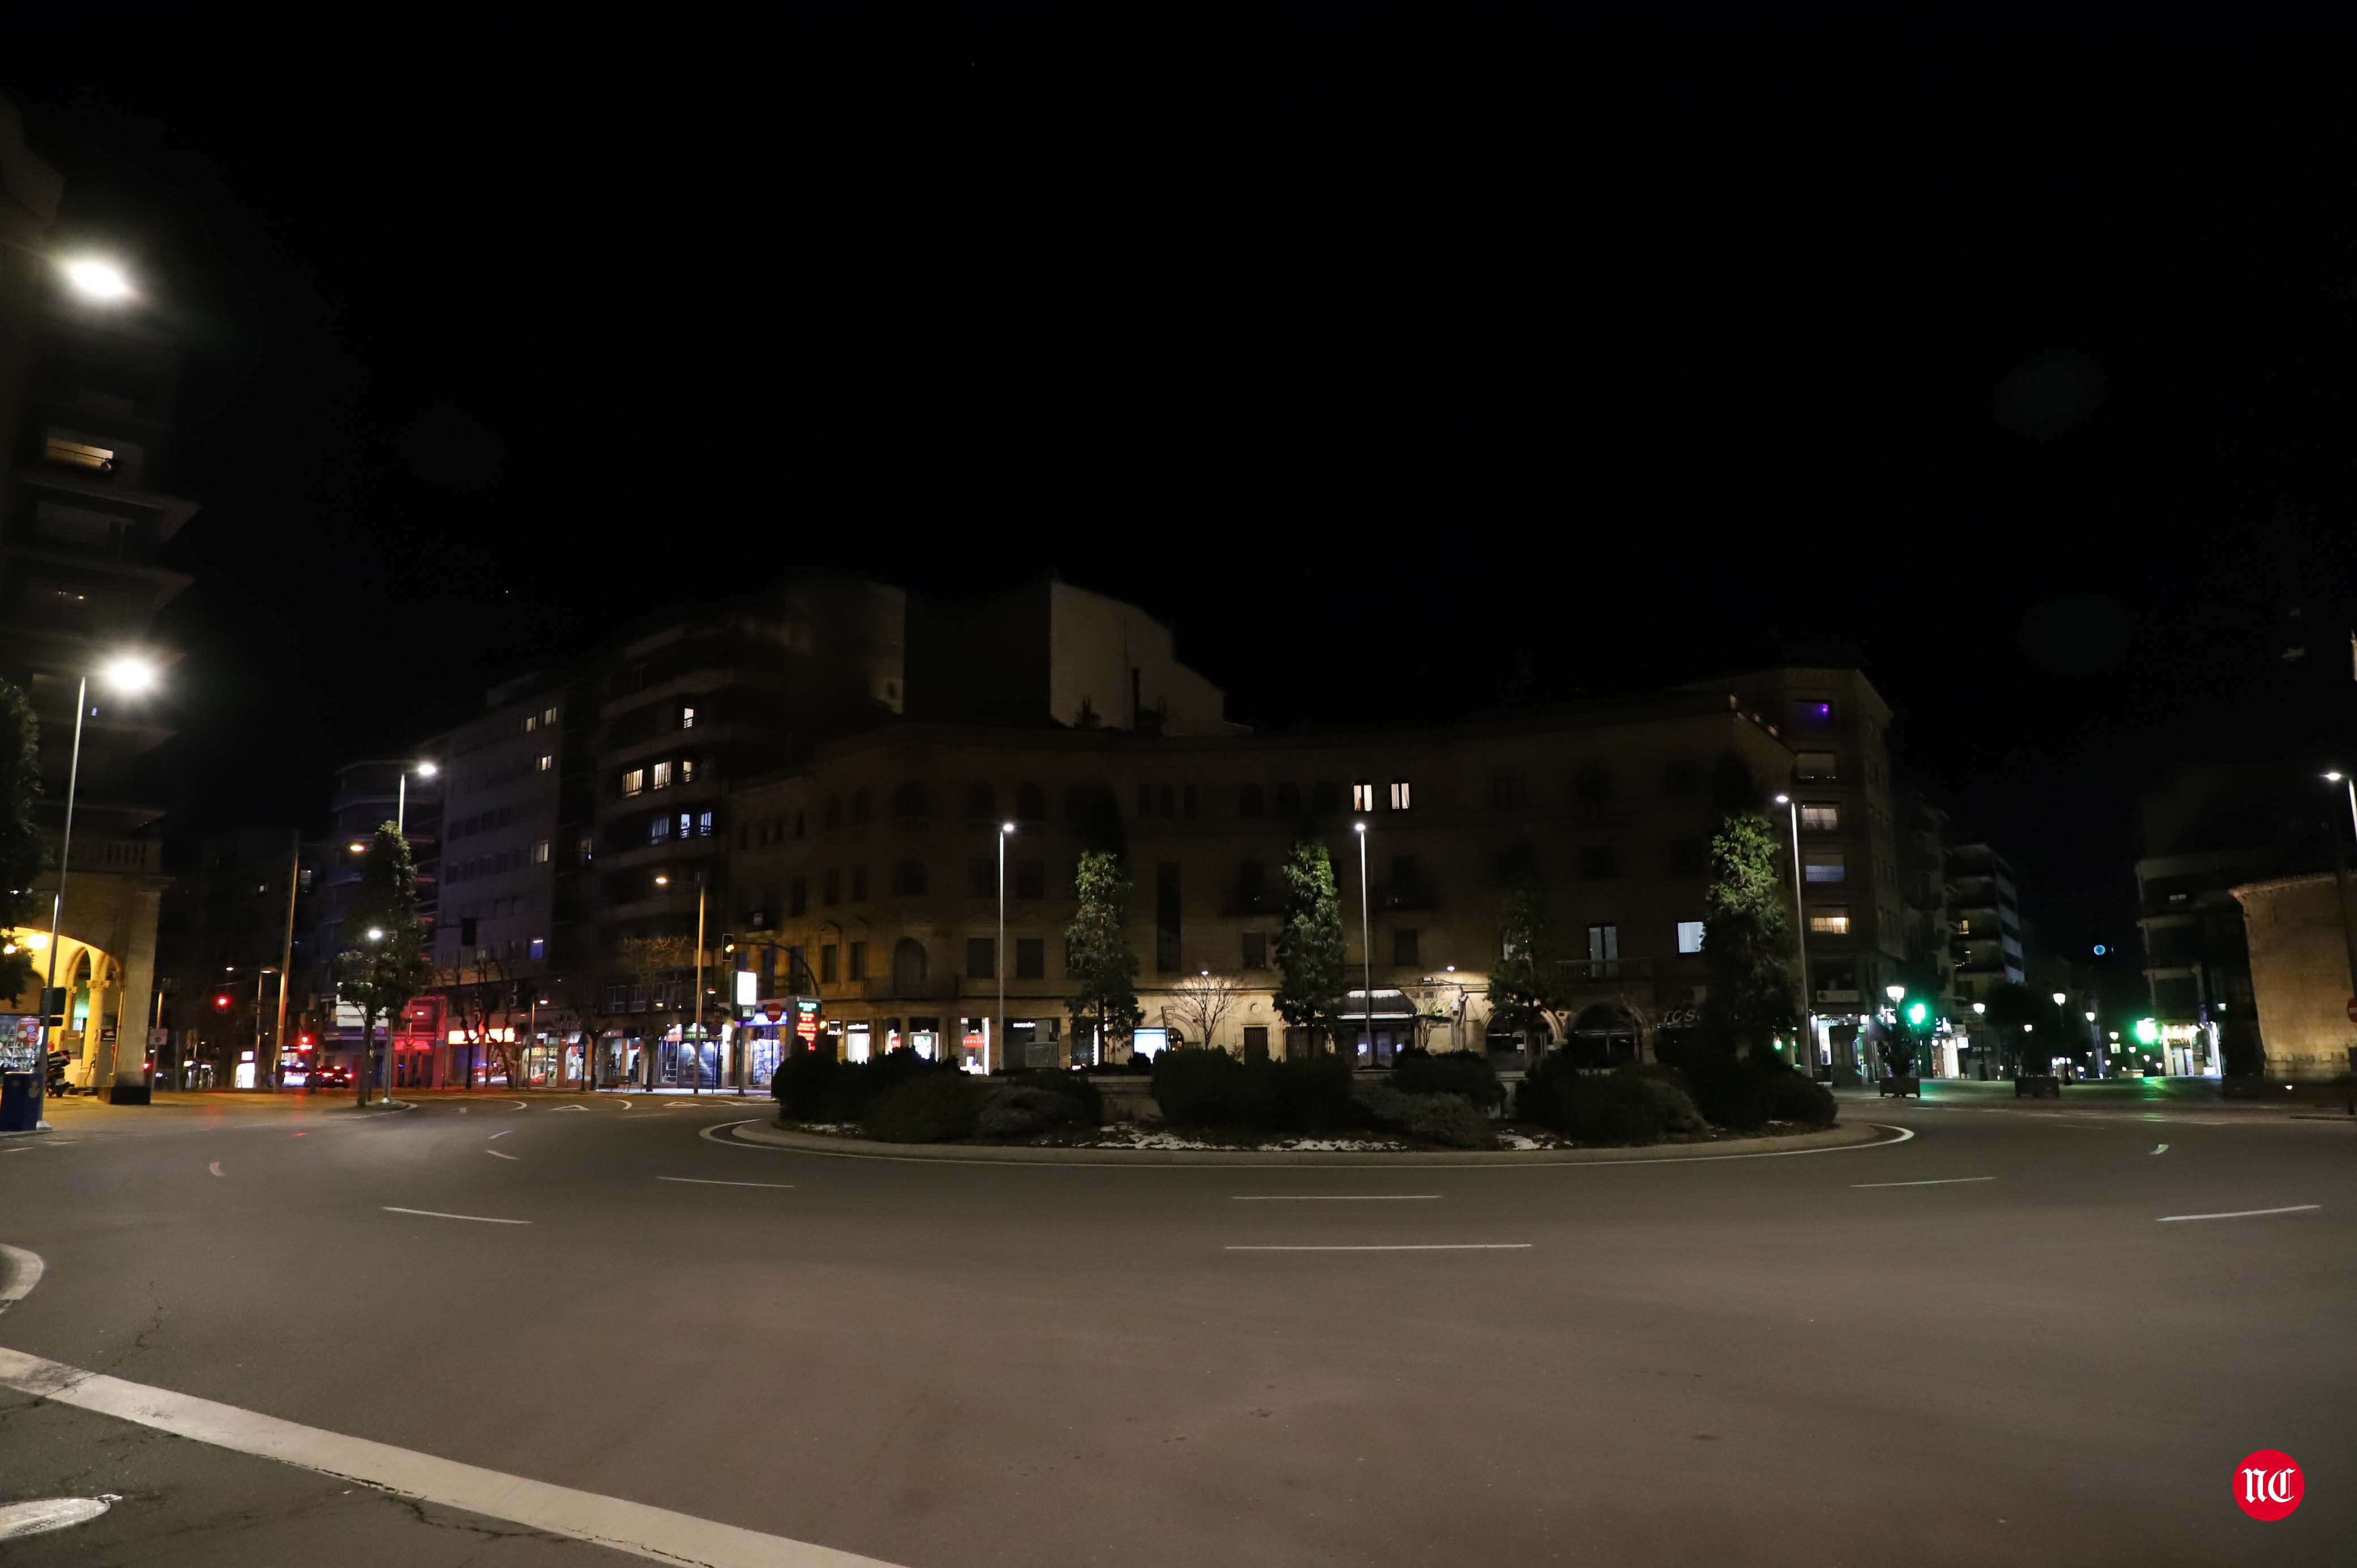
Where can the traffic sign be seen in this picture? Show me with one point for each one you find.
(773, 1011)
(2352, 1009)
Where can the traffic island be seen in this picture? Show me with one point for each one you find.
(1151, 1149)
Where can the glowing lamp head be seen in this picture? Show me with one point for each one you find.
(129, 675)
(1894, 992)
(1358, 827)
(357, 847)
(2148, 1030)
(94, 278)
(1783, 799)
(2060, 999)
(1980, 1007)
(428, 770)
(2332, 778)
(1006, 827)
(661, 881)
(376, 933)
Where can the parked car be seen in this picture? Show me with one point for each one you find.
(336, 1075)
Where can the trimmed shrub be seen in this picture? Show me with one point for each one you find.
(1382, 1104)
(928, 1108)
(1729, 1093)
(1542, 1094)
(1418, 1072)
(1795, 1097)
(801, 1083)
(1614, 1107)
(1073, 1085)
(1195, 1086)
(1678, 1112)
(1450, 1120)
(1020, 1111)
(1317, 1094)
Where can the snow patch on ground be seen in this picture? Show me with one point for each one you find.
(1516, 1140)
(1137, 1140)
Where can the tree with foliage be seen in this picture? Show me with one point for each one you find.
(1747, 944)
(383, 964)
(1527, 996)
(1098, 957)
(1311, 961)
(20, 845)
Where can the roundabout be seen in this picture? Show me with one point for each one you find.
(628, 1320)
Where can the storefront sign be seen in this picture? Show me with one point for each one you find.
(806, 1018)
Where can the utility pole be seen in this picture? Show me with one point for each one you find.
(695, 1080)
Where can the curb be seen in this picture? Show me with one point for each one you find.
(1861, 1135)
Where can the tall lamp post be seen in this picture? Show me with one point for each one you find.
(997, 1041)
(2095, 1044)
(2340, 877)
(400, 797)
(695, 1080)
(129, 675)
(1366, 950)
(1801, 940)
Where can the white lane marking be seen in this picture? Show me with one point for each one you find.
(634, 1528)
(717, 1128)
(1943, 1181)
(23, 1272)
(214, 1168)
(2160, 1149)
(2239, 1213)
(437, 1214)
(26, 1150)
(1335, 1197)
(624, 1103)
(1425, 1247)
(702, 1181)
(573, 1108)
(521, 1106)
(462, 1110)
(52, 1513)
(497, 1156)
(501, 1133)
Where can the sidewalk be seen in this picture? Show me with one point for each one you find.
(2122, 1095)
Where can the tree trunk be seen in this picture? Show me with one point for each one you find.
(368, 1055)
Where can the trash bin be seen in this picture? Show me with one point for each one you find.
(20, 1112)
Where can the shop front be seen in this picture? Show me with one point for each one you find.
(1378, 1033)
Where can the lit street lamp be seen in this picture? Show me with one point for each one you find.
(94, 277)
(1366, 950)
(129, 675)
(1801, 943)
(401, 800)
(997, 1041)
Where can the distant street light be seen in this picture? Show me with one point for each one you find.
(400, 803)
(997, 1041)
(1366, 948)
(376, 933)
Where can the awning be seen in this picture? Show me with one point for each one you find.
(1389, 1005)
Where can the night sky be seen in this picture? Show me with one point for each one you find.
(1410, 371)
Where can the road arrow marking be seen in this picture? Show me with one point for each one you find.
(214, 1168)
(496, 1155)
(2162, 1149)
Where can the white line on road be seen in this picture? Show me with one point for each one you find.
(2160, 1149)
(501, 1133)
(1337, 1198)
(214, 1168)
(521, 1106)
(1943, 1181)
(702, 1181)
(634, 1528)
(437, 1214)
(2239, 1213)
(496, 1155)
(1426, 1247)
(573, 1108)
(22, 1274)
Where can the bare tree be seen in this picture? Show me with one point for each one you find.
(650, 962)
(480, 991)
(1200, 1003)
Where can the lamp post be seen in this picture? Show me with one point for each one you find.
(285, 961)
(997, 1041)
(2341, 880)
(1800, 939)
(129, 675)
(2095, 1042)
(401, 799)
(1366, 950)
(1896, 993)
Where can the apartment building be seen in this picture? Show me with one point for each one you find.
(869, 877)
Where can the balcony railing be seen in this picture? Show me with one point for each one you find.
(1580, 972)
(126, 856)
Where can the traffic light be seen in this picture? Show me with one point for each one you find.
(304, 1042)
(223, 1000)
(727, 942)
(2148, 1031)
(1917, 1012)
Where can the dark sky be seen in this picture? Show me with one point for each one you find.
(1408, 367)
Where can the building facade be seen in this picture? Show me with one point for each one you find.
(2296, 935)
(870, 878)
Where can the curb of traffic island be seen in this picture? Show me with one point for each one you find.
(1830, 1140)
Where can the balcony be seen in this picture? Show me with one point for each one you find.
(125, 857)
(1578, 973)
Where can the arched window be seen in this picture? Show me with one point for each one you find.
(908, 967)
(1030, 803)
(1289, 799)
(911, 799)
(980, 800)
(909, 879)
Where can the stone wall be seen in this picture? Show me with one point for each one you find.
(2299, 969)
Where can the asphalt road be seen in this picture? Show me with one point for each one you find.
(1777, 1360)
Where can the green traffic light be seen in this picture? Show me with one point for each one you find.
(2147, 1030)
(1916, 1012)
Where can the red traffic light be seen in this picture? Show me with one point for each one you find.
(221, 1001)
(303, 1042)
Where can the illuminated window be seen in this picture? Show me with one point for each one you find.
(658, 830)
(547, 761)
(531, 723)
(634, 781)
(703, 824)
(1826, 819)
(687, 770)
(540, 852)
(1362, 796)
(548, 717)
(1399, 795)
(1689, 936)
(539, 946)
(663, 775)
(686, 719)
(1826, 866)
(1829, 922)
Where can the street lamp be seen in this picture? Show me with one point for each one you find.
(94, 277)
(997, 1041)
(2340, 877)
(1366, 948)
(401, 801)
(1800, 939)
(130, 674)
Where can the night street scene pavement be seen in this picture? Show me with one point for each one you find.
(1334, 787)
